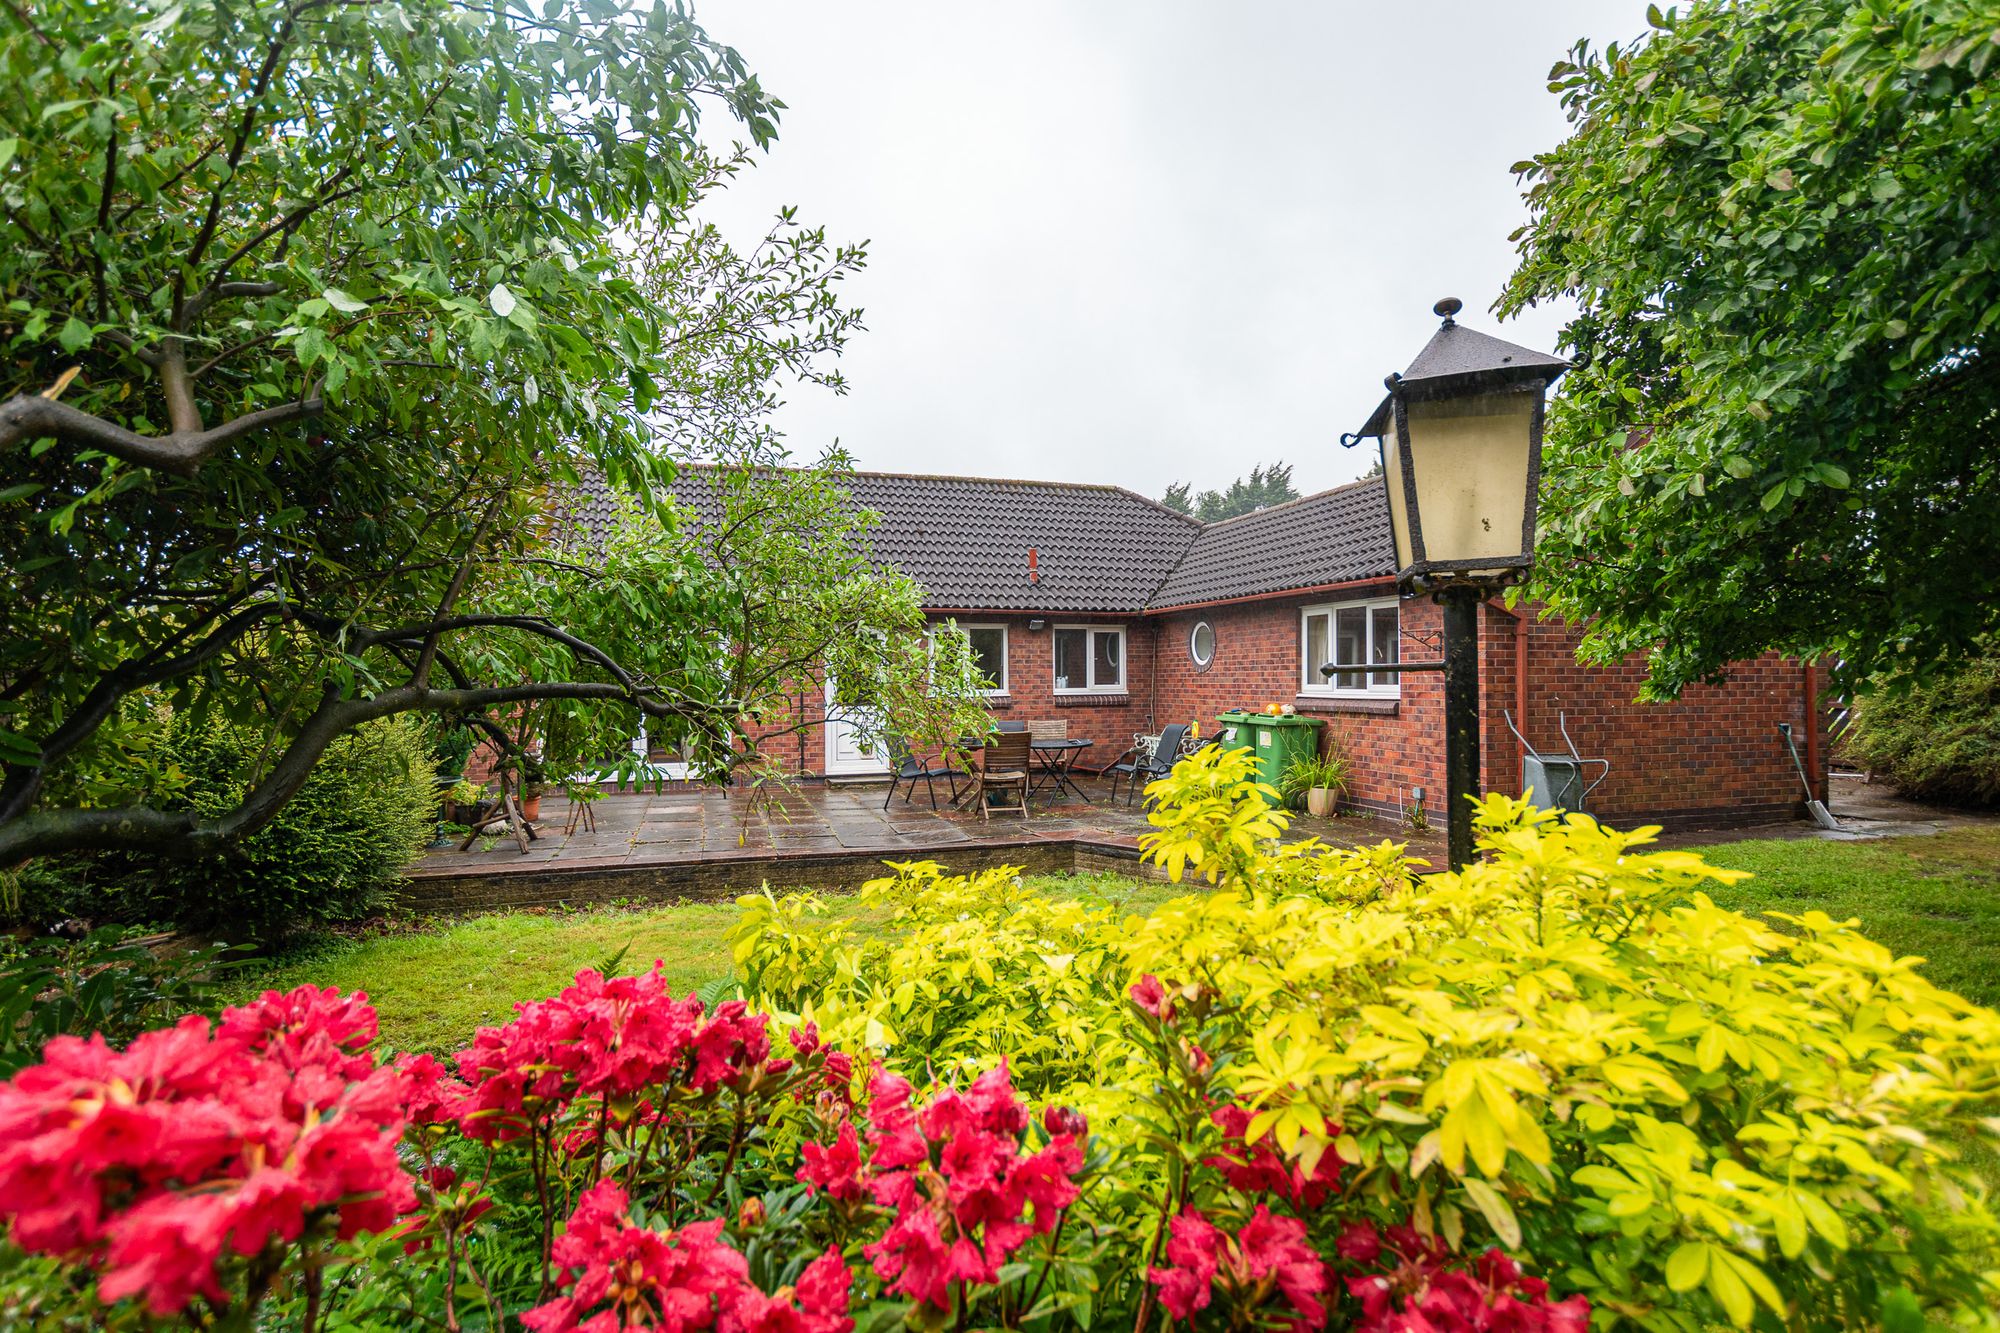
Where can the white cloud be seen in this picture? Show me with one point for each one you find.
(1138, 242)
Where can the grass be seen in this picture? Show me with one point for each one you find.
(434, 984)
(1937, 897)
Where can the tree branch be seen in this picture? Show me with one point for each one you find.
(30, 416)
(183, 833)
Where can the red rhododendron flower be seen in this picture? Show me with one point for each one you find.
(157, 1163)
(834, 1171)
(1152, 997)
(620, 1275)
(964, 1193)
(603, 1038)
(1193, 1247)
(432, 1094)
(1269, 1254)
(1418, 1293)
(1256, 1168)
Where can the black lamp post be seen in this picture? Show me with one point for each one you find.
(1461, 440)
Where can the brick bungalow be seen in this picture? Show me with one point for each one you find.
(1098, 606)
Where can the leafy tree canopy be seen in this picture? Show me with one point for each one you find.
(1264, 487)
(1778, 219)
(309, 308)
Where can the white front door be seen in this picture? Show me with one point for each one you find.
(845, 753)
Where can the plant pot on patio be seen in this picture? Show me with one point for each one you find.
(1320, 801)
(531, 802)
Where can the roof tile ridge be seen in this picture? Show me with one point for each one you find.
(1289, 504)
(1151, 503)
(990, 481)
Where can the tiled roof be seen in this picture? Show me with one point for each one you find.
(966, 539)
(1098, 548)
(1336, 536)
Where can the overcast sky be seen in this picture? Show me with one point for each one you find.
(1140, 241)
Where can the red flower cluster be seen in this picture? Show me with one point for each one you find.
(1419, 1294)
(964, 1193)
(621, 1275)
(1152, 999)
(612, 1038)
(1269, 1255)
(156, 1162)
(1256, 1168)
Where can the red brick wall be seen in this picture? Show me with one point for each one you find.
(1107, 721)
(1395, 744)
(1715, 757)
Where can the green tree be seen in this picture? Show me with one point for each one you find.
(311, 312)
(1778, 220)
(1264, 487)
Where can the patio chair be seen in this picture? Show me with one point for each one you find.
(1006, 725)
(906, 767)
(1049, 731)
(1140, 766)
(1005, 768)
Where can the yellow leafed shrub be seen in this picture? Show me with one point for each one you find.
(1688, 1115)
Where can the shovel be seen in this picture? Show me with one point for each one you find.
(1817, 808)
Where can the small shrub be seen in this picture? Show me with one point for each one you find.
(1936, 742)
(333, 853)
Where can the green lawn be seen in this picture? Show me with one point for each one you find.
(1933, 896)
(433, 985)
(1936, 897)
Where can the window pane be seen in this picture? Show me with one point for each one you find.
(989, 654)
(1350, 644)
(1070, 656)
(1107, 662)
(1383, 642)
(1201, 644)
(1316, 654)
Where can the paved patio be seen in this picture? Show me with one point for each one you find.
(709, 843)
(705, 842)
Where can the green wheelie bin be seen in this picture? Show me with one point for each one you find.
(1276, 741)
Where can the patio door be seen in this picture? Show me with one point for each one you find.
(846, 754)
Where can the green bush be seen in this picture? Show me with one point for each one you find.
(1937, 742)
(333, 853)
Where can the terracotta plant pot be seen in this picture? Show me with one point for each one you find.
(531, 806)
(1321, 800)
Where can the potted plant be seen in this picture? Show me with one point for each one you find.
(1321, 780)
(466, 799)
(534, 782)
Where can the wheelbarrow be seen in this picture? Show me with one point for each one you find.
(1559, 782)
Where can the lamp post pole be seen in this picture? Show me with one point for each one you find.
(1461, 718)
(1461, 441)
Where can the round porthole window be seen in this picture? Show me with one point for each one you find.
(1201, 645)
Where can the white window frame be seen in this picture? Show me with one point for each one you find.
(1006, 667)
(1199, 663)
(1090, 660)
(1375, 685)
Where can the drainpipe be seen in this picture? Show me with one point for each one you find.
(1521, 628)
(1153, 683)
(1814, 777)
